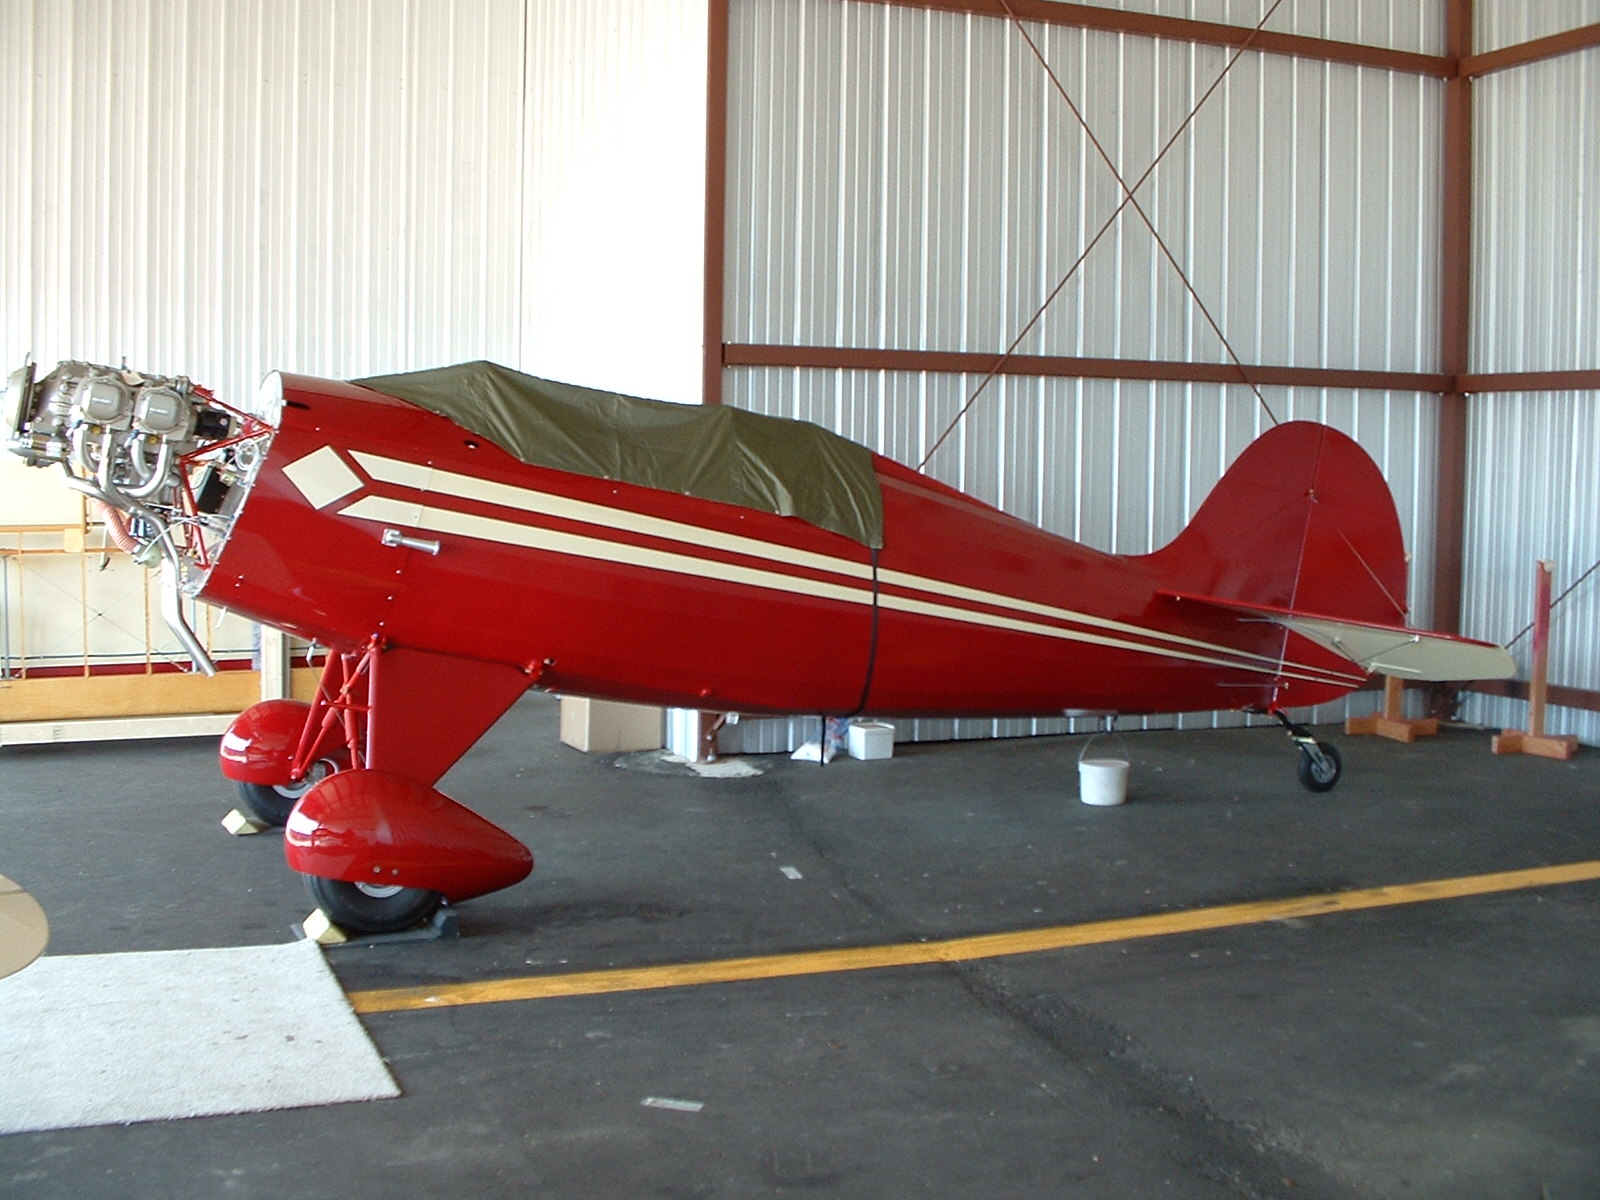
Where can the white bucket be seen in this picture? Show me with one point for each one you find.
(1102, 781)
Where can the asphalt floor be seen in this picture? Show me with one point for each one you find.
(1227, 987)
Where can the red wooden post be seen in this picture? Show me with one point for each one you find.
(1535, 740)
(1539, 685)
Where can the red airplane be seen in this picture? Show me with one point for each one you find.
(457, 536)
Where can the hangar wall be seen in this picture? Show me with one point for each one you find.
(220, 190)
(1501, 23)
(612, 255)
(366, 186)
(223, 189)
(910, 179)
(1535, 456)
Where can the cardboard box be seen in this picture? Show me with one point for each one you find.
(607, 727)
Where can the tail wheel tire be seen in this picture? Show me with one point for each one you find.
(272, 802)
(1320, 771)
(372, 908)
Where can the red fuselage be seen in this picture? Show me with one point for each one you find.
(600, 588)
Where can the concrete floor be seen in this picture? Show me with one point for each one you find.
(1446, 1049)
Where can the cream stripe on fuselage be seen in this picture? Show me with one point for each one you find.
(466, 487)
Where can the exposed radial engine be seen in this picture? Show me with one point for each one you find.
(165, 463)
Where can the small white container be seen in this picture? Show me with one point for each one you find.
(870, 739)
(1102, 781)
(1103, 770)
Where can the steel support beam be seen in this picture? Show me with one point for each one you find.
(1206, 33)
(847, 358)
(1583, 38)
(716, 199)
(1455, 325)
(1530, 381)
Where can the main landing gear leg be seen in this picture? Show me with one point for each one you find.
(1319, 766)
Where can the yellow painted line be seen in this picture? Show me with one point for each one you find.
(962, 949)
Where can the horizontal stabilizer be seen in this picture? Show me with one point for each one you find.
(1385, 649)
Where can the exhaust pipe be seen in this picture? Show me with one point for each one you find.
(172, 613)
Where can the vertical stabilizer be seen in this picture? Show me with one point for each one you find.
(1303, 521)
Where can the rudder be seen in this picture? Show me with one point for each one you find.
(1304, 521)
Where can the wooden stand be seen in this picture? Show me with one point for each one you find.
(1390, 723)
(1534, 740)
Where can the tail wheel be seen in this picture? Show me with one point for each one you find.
(272, 802)
(1319, 766)
(370, 907)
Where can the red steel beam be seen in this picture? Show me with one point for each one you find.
(1086, 16)
(1530, 381)
(716, 199)
(960, 362)
(1518, 689)
(1455, 325)
(1583, 38)
(1061, 366)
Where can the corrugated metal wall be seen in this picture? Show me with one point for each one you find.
(380, 184)
(363, 186)
(1537, 195)
(613, 245)
(221, 189)
(1533, 482)
(910, 179)
(1501, 23)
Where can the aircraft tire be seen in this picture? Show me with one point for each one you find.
(272, 802)
(1320, 777)
(268, 802)
(362, 908)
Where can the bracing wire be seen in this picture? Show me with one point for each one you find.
(1132, 199)
(1128, 198)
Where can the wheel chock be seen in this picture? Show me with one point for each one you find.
(321, 930)
(240, 825)
(443, 925)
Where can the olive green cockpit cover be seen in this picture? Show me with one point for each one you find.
(712, 452)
